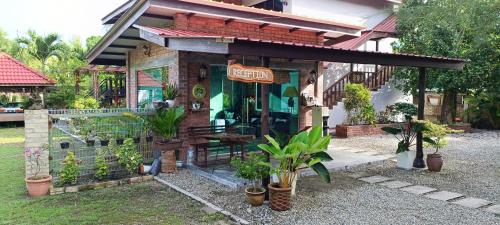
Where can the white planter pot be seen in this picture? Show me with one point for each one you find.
(405, 160)
(171, 103)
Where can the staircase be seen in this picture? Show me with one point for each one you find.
(107, 92)
(371, 80)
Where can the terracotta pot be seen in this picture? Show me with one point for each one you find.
(279, 198)
(255, 198)
(434, 162)
(38, 187)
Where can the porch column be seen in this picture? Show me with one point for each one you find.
(264, 119)
(419, 159)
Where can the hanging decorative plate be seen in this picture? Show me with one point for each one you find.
(199, 91)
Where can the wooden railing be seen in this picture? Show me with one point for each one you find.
(371, 80)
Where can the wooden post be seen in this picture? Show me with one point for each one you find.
(419, 159)
(264, 119)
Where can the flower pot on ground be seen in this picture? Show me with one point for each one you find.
(434, 136)
(304, 150)
(165, 123)
(405, 160)
(252, 169)
(64, 145)
(37, 185)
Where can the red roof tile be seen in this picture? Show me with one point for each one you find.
(15, 73)
(387, 26)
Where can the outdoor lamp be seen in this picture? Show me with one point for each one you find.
(291, 92)
(313, 76)
(203, 72)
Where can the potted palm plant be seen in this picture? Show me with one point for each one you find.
(165, 123)
(37, 185)
(252, 170)
(304, 150)
(170, 92)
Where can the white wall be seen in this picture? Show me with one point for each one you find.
(362, 12)
(387, 95)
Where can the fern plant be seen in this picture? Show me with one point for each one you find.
(166, 121)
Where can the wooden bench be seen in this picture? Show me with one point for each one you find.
(197, 140)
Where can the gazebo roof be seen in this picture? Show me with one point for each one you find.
(15, 73)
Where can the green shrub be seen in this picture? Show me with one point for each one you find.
(85, 102)
(484, 109)
(166, 121)
(408, 110)
(70, 171)
(251, 168)
(101, 167)
(4, 99)
(358, 104)
(128, 156)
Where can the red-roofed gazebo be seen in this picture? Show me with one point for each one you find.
(18, 77)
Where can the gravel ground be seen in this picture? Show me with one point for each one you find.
(471, 163)
(344, 201)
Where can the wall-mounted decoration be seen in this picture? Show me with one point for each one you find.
(146, 50)
(203, 72)
(313, 77)
(250, 74)
(199, 92)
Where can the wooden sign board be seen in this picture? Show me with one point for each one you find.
(250, 74)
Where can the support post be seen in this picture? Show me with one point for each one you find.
(419, 159)
(264, 119)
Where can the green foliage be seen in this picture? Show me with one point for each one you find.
(304, 149)
(170, 91)
(435, 133)
(358, 104)
(128, 156)
(408, 110)
(42, 48)
(251, 168)
(70, 171)
(166, 121)
(484, 109)
(456, 28)
(4, 99)
(406, 134)
(85, 102)
(102, 168)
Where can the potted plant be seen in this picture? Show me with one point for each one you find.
(102, 168)
(165, 123)
(170, 92)
(406, 134)
(128, 156)
(103, 136)
(119, 137)
(87, 131)
(434, 136)
(70, 171)
(252, 170)
(37, 185)
(304, 150)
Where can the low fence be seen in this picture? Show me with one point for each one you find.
(89, 133)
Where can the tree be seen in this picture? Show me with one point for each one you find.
(42, 48)
(456, 28)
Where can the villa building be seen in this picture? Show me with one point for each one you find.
(268, 64)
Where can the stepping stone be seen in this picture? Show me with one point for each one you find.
(444, 195)
(493, 209)
(374, 179)
(418, 190)
(396, 184)
(472, 202)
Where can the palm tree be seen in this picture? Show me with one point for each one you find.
(42, 47)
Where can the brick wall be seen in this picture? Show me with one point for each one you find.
(36, 131)
(240, 29)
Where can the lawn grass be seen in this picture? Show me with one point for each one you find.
(146, 203)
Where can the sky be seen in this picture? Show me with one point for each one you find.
(69, 18)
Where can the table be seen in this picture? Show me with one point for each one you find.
(231, 140)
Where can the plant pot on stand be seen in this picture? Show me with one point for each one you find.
(434, 162)
(405, 160)
(168, 156)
